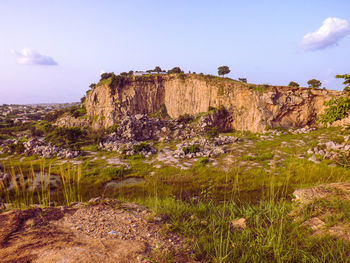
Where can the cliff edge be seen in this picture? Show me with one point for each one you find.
(250, 107)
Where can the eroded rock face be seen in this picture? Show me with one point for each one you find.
(249, 107)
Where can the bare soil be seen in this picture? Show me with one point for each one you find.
(112, 232)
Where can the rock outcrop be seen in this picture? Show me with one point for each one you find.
(249, 107)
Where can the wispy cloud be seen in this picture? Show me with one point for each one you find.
(30, 57)
(332, 30)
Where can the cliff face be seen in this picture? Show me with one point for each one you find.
(250, 107)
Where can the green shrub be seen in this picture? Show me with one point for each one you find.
(211, 108)
(191, 149)
(68, 137)
(142, 146)
(203, 160)
(337, 109)
(176, 70)
(77, 112)
(112, 173)
(259, 157)
(53, 116)
(185, 118)
(113, 128)
(259, 88)
(212, 132)
(17, 147)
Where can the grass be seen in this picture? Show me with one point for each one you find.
(31, 186)
(260, 157)
(271, 235)
(200, 203)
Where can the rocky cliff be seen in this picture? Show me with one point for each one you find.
(250, 107)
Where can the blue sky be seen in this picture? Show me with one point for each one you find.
(50, 51)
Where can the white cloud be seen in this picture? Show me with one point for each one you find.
(30, 57)
(332, 30)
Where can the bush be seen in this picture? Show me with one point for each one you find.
(293, 84)
(191, 149)
(66, 137)
(107, 75)
(142, 146)
(77, 112)
(41, 128)
(53, 116)
(338, 108)
(212, 132)
(17, 147)
(185, 118)
(176, 70)
(113, 128)
(203, 160)
(314, 83)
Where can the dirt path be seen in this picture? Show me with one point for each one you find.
(110, 232)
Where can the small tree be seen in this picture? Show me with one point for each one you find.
(131, 72)
(223, 70)
(293, 84)
(346, 82)
(244, 80)
(314, 83)
(175, 70)
(157, 69)
(107, 75)
(92, 85)
(337, 108)
(123, 74)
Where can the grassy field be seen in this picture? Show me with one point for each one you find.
(254, 180)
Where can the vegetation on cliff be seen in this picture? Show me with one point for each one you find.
(337, 108)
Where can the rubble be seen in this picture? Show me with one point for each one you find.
(133, 131)
(331, 150)
(202, 147)
(37, 146)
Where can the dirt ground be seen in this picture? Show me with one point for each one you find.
(113, 232)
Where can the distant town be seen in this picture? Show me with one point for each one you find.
(17, 114)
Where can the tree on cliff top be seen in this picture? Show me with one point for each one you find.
(175, 70)
(157, 69)
(346, 82)
(107, 75)
(314, 83)
(223, 70)
(293, 84)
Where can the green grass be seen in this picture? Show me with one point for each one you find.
(271, 234)
(33, 186)
(199, 203)
(260, 157)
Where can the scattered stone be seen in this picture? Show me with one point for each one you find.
(331, 150)
(313, 159)
(239, 224)
(39, 147)
(202, 147)
(314, 223)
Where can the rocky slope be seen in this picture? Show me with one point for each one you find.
(250, 107)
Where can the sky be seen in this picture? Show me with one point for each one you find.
(51, 51)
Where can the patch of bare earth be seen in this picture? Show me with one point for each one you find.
(113, 232)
